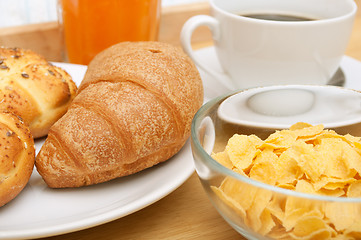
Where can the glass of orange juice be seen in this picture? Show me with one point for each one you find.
(90, 26)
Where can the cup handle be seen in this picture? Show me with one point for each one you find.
(186, 37)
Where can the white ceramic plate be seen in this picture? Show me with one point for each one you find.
(40, 211)
(278, 107)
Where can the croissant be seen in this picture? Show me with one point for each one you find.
(34, 89)
(133, 110)
(17, 153)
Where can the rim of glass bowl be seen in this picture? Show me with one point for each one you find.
(202, 113)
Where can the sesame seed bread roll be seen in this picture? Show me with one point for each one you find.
(34, 89)
(17, 153)
(133, 110)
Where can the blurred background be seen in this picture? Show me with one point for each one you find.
(32, 24)
(21, 12)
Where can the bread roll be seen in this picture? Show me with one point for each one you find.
(17, 156)
(133, 110)
(34, 89)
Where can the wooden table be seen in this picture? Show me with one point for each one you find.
(186, 213)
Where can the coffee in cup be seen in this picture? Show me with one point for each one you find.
(269, 42)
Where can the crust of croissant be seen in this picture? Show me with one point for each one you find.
(156, 66)
(73, 176)
(18, 154)
(124, 152)
(132, 111)
(34, 89)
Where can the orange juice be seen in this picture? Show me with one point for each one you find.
(89, 26)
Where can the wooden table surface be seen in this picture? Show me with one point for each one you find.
(185, 213)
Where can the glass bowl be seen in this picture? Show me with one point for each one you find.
(323, 207)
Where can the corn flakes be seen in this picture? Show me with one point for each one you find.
(303, 158)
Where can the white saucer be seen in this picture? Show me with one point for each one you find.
(350, 67)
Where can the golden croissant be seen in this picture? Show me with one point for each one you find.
(133, 110)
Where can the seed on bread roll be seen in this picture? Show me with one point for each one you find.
(133, 110)
(17, 154)
(34, 89)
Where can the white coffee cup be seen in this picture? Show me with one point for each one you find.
(257, 52)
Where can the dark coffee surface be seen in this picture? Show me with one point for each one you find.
(278, 17)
